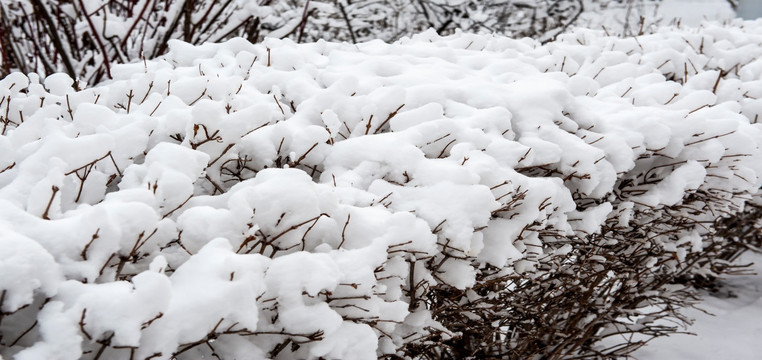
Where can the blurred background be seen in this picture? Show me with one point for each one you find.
(749, 9)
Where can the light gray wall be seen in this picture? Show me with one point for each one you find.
(749, 9)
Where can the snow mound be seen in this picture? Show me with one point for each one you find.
(304, 200)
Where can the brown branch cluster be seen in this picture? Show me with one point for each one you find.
(48, 36)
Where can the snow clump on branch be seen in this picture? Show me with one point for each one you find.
(468, 195)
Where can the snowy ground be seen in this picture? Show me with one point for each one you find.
(733, 332)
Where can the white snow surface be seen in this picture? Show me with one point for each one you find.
(194, 197)
(726, 324)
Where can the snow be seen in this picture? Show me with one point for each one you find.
(726, 324)
(692, 13)
(61, 337)
(25, 267)
(209, 198)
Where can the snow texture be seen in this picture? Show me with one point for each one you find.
(281, 198)
(726, 323)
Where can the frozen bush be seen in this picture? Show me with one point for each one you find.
(84, 38)
(467, 196)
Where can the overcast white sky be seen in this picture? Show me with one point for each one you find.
(750, 9)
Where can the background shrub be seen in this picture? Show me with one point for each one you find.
(82, 38)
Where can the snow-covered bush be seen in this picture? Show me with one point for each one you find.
(439, 197)
(83, 38)
(391, 19)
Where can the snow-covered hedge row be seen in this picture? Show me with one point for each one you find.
(84, 37)
(453, 196)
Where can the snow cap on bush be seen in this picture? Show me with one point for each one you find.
(439, 195)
